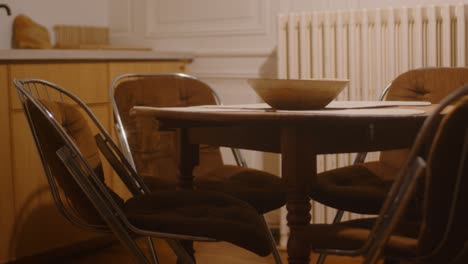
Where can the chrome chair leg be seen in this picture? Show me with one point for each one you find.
(154, 257)
(338, 216)
(182, 255)
(321, 258)
(274, 248)
(360, 158)
(131, 245)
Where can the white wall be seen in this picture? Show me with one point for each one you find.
(51, 12)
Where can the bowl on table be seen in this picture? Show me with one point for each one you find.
(287, 94)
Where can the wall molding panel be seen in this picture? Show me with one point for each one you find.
(187, 18)
(234, 66)
(120, 16)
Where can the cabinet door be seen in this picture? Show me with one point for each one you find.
(88, 80)
(6, 180)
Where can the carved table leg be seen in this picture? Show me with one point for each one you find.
(189, 158)
(298, 165)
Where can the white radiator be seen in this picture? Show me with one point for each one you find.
(370, 48)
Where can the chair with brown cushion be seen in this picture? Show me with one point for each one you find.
(70, 153)
(154, 154)
(441, 235)
(362, 187)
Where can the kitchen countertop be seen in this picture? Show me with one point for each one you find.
(59, 54)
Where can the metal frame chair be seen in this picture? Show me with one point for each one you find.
(404, 187)
(119, 127)
(360, 158)
(31, 92)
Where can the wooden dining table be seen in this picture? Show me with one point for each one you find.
(299, 136)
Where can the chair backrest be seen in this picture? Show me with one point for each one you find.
(56, 120)
(443, 230)
(155, 153)
(424, 84)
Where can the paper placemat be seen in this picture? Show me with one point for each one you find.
(260, 106)
(373, 104)
(362, 112)
(332, 105)
(325, 112)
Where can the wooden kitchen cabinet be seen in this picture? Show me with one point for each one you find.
(29, 222)
(7, 210)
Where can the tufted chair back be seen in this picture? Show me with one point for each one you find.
(46, 117)
(446, 181)
(155, 153)
(425, 84)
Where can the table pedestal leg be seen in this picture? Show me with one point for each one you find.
(189, 158)
(298, 166)
(298, 214)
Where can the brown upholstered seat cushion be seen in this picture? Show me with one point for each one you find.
(362, 188)
(352, 235)
(357, 189)
(258, 188)
(265, 192)
(156, 152)
(200, 213)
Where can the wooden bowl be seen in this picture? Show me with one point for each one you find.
(308, 94)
